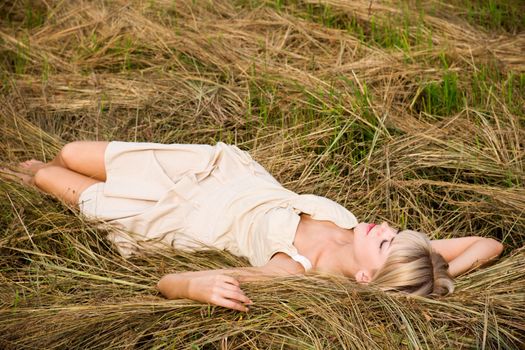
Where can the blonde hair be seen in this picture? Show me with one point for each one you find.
(413, 267)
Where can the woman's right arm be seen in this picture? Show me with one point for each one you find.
(222, 287)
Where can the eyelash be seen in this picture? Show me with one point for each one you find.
(381, 245)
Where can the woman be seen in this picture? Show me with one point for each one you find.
(190, 196)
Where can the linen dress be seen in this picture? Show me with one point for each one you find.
(192, 197)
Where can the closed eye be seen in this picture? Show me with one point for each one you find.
(385, 241)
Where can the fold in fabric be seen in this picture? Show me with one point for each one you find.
(199, 196)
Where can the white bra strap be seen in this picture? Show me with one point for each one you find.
(303, 261)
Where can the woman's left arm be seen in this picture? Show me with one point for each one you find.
(466, 253)
(222, 287)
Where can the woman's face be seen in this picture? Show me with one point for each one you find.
(371, 247)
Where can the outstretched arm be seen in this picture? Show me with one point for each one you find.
(466, 253)
(218, 287)
(222, 287)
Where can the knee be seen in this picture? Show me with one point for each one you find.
(42, 176)
(69, 152)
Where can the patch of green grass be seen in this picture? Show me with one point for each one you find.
(313, 109)
(485, 86)
(488, 85)
(21, 59)
(128, 54)
(91, 45)
(46, 69)
(399, 32)
(358, 134)
(514, 93)
(382, 31)
(27, 14)
(261, 104)
(513, 180)
(14, 60)
(35, 16)
(192, 62)
(126, 46)
(443, 97)
(502, 15)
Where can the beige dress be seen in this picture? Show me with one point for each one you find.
(196, 196)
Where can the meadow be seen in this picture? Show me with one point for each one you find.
(411, 112)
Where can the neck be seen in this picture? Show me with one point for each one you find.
(326, 245)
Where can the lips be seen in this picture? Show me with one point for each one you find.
(370, 227)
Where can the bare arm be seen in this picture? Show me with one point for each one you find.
(466, 253)
(222, 287)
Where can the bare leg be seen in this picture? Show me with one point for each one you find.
(83, 157)
(77, 166)
(62, 183)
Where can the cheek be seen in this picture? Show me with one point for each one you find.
(377, 260)
(368, 253)
(366, 250)
(375, 257)
(381, 261)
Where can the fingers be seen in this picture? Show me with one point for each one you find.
(229, 279)
(225, 291)
(229, 294)
(237, 296)
(231, 287)
(230, 304)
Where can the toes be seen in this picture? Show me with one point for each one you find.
(26, 164)
(15, 175)
(30, 162)
(31, 165)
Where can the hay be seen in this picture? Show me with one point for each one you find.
(410, 114)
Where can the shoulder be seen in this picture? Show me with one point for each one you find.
(322, 208)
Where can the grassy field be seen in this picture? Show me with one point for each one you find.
(411, 112)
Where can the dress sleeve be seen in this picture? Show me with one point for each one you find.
(275, 233)
(321, 208)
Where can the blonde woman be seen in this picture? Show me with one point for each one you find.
(195, 196)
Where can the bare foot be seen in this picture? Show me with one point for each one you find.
(32, 166)
(16, 176)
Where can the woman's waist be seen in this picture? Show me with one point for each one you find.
(235, 206)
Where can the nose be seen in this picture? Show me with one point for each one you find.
(386, 230)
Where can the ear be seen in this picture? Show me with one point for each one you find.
(363, 276)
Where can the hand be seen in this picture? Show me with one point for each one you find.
(221, 290)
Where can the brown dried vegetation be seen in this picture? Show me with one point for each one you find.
(411, 113)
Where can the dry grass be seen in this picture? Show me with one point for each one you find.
(411, 113)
